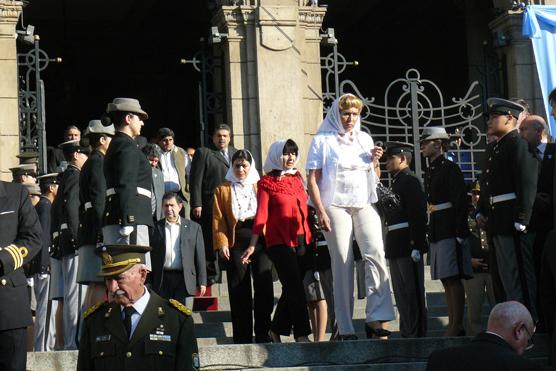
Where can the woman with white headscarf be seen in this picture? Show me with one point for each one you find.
(342, 185)
(234, 207)
(283, 217)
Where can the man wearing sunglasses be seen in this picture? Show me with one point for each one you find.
(509, 334)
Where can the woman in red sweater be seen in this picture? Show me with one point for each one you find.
(282, 216)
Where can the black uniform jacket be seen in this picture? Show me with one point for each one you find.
(92, 194)
(486, 352)
(413, 210)
(444, 183)
(127, 172)
(41, 262)
(68, 211)
(19, 225)
(163, 339)
(511, 167)
(208, 170)
(542, 216)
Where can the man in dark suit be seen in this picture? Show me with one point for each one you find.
(178, 255)
(406, 240)
(208, 169)
(153, 153)
(127, 213)
(20, 241)
(510, 177)
(547, 292)
(509, 332)
(138, 330)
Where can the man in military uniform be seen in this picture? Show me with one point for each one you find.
(20, 241)
(406, 240)
(447, 207)
(128, 176)
(24, 173)
(67, 205)
(92, 191)
(510, 176)
(138, 330)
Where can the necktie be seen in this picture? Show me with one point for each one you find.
(225, 156)
(128, 311)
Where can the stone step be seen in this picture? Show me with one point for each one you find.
(408, 366)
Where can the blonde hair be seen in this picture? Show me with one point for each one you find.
(348, 101)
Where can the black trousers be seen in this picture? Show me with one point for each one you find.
(242, 301)
(13, 349)
(291, 310)
(173, 286)
(214, 273)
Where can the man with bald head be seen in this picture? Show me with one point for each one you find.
(501, 347)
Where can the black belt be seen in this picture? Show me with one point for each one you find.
(245, 224)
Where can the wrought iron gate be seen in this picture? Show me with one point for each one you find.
(410, 104)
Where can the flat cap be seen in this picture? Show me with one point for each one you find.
(434, 132)
(72, 146)
(395, 148)
(96, 127)
(127, 105)
(117, 259)
(504, 107)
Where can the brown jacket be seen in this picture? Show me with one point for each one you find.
(223, 220)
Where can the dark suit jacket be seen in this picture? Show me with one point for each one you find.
(541, 217)
(41, 262)
(126, 168)
(19, 225)
(485, 352)
(192, 255)
(158, 192)
(547, 291)
(163, 339)
(67, 199)
(92, 189)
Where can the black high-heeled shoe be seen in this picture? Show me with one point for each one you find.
(373, 333)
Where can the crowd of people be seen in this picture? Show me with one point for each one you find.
(114, 205)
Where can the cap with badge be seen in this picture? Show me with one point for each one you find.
(24, 169)
(434, 132)
(72, 146)
(96, 127)
(504, 107)
(476, 187)
(46, 179)
(33, 189)
(127, 105)
(117, 259)
(395, 148)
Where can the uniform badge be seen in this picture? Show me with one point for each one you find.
(102, 338)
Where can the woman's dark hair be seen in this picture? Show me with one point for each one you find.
(242, 154)
(290, 147)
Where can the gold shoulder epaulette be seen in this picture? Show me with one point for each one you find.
(93, 309)
(179, 306)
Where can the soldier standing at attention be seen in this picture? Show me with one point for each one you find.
(20, 241)
(406, 240)
(510, 176)
(137, 330)
(447, 207)
(127, 213)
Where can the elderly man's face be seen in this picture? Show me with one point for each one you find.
(127, 287)
(153, 160)
(530, 133)
(73, 134)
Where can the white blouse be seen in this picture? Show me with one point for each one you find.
(244, 201)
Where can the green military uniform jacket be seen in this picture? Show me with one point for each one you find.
(162, 340)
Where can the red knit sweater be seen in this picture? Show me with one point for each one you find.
(282, 208)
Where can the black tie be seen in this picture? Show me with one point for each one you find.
(128, 311)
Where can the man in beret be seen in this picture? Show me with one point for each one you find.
(66, 206)
(510, 176)
(92, 193)
(137, 330)
(127, 213)
(406, 240)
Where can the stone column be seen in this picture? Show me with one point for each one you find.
(9, 123)
(272, 60)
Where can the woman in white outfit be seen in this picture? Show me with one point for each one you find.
(342, 185)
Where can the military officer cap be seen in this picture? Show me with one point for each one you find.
(47, 179)
(24, 169)
(33, 189)
(96, 127)
(72, 146)
(395, 148)
(127, 105)
(475, 187)
(117, 259)
(434, 132)
(504, 107)
(28, 157)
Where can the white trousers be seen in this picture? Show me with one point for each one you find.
(73, 302)
(365, 224)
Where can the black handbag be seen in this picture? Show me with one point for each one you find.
(387, 200)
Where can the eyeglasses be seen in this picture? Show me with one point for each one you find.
(530, 343)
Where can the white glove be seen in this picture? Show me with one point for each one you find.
(460, 240)
(415, 255)
(519, 227)
(30, 282)
(126, 231)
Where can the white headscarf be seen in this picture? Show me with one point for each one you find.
(333, 122)
(252, 176)
(274, 158)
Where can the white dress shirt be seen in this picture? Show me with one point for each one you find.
(139, 307)
(172, 259)
(540, 149)
(171, 177)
